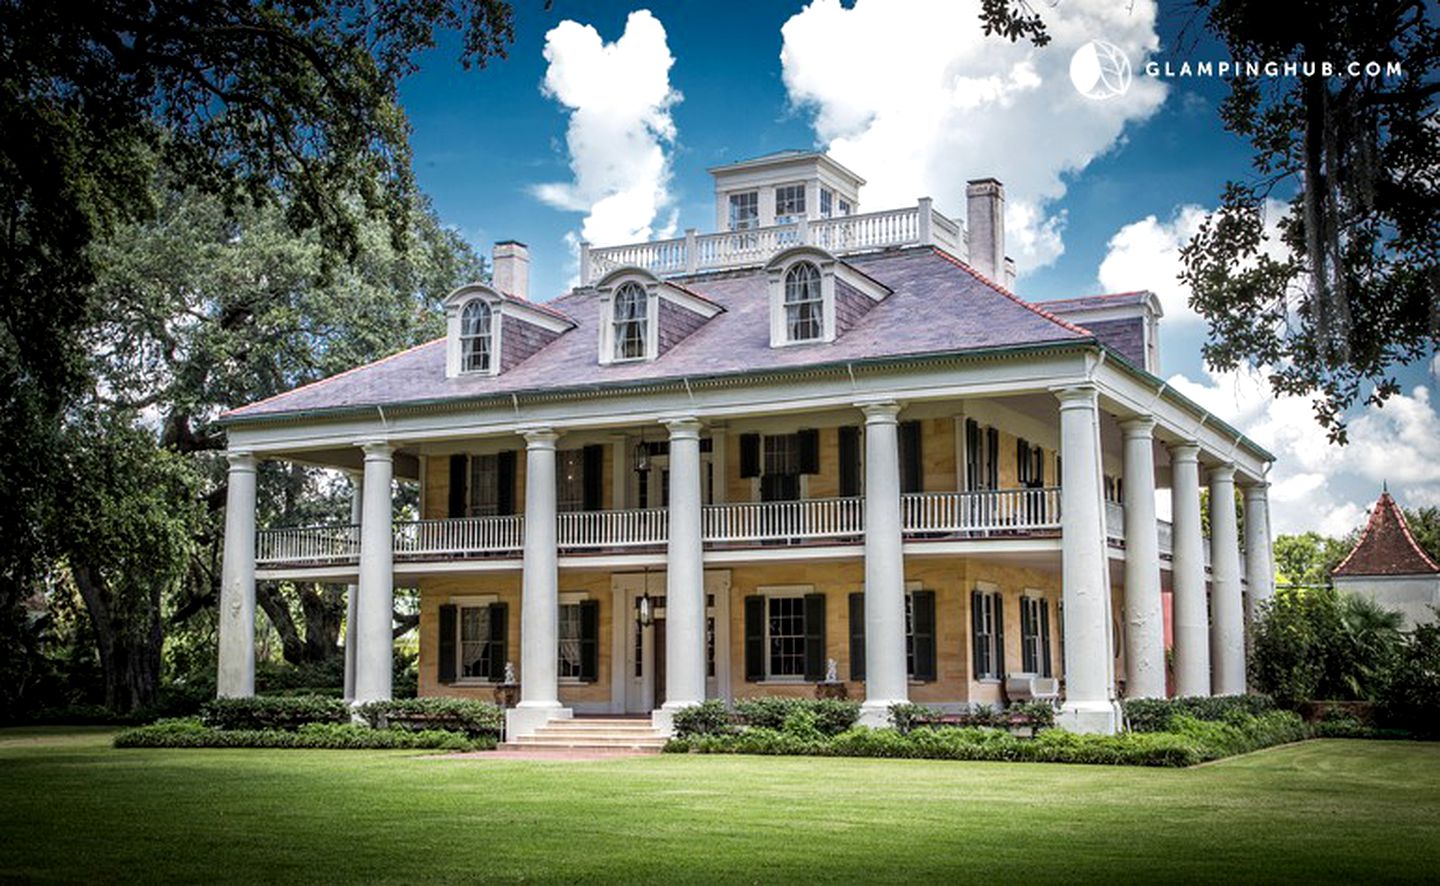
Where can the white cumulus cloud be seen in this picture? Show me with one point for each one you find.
(619, 98)
(912, 96)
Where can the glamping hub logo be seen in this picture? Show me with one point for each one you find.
(1100, 70)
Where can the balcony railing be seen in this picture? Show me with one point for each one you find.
(579, 530)
(983, 513)
(308, 545)
(462, 536)
(694, 253)
(833, 518)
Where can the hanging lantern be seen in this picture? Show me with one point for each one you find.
(645, 611)
(642, 457)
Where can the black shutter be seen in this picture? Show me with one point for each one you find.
(749, 455)
(972, 454)
(754, 638)
(1026, 630)
(448, 615)
(999, 635)
(1039, 466)
(977, 623)
(505, 480)
(912, 469)
(814, 637)
(589, 641)
(849, 453)
(857, 637)
(1045, 638)
(922, 627)
(592, 476)
(992, 445)
(459, 479)
(1022, 462)
(499, 639)
(807, 445)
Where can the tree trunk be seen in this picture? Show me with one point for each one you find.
(130, 653)
(292, 646)
(324, 608)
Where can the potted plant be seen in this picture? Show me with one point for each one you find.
(507, 693)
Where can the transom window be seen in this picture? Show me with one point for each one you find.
(569, 662)
(630, 317)
(475, 338)
(785, 640)
(474, 646)
(804, 305)
(744, 211)
(789, 203)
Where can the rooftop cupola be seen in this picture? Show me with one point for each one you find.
(781, 188)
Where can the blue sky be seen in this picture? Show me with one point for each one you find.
(1109, 182)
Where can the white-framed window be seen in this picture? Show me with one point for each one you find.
(789, 203)
(987, 626)
(476, 337)
(630, 317)
(1035, 635)
(570, 480)
(804, 303)
(569, 634)
(827, 202)
(744, 211)
(484, 486)
(785, 637)
(843, 207)
(474, 646)
(909, 634)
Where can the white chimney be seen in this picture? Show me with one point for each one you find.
(985, 221)
(512, 268)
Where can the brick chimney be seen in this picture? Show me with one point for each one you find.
(985, 222)
(512, 268)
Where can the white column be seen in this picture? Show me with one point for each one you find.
(1085, 568)
(375, 606)
(539, 600)
(885, 677)
(1144, 611)
(1227, 632)
(1259, 563)
(236, 675)
(1190, 611)
(684, 577)
(352, 592)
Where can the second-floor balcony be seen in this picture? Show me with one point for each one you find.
(1006, 513)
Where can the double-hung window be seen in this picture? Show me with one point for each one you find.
(744, 211)
(827, 202)
(789, 203)
(785, 637)
(484, 486)
(1035, 635)
(630, 314)
(987, 613)
(804, 304)
(569, 634)
(570, 480)
(474, 646)
(476, 340)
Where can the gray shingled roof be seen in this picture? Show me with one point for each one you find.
(938, 305)
(1089, 302)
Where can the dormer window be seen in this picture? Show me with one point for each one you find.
(804, 304)
(630, 313)
(477, 339)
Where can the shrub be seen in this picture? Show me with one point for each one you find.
(1409, 697)
(1155, 714)
(832, 715)
(262, 712)
(707, 718)
(193, 733)
(474, 718)
(1036, 715)
(904, 716)
(1318, 643)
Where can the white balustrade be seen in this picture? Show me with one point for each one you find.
(613, 529)
(982, 511)
(838, 518)
(421, 539)
(308, 544)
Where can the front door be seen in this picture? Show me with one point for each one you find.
(642, 655)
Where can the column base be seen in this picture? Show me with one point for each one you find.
(876, 714)
(526, 717)
(1102, 717)
(662, 719)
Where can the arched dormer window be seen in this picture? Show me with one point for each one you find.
(629, 316)
(804, 303)
(477, 341)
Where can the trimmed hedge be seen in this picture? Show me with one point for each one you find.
(1155, 714)
(1035, 715)
(1191, 741)
(193, 733)
(707, 718)
(828, 716)
(271, 712)
(473, 718)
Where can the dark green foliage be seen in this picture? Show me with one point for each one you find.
(1316, 643)
(192, 733)
(267, 713)
(1035, 715)
(710, 717)
(1410, 697)
(473, 718)
(832, 715)
(1191, 741)
(1157, 714)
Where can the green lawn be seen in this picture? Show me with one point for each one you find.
(72, 808)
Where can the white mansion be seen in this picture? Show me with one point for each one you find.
(820, 443)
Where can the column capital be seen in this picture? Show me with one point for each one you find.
(682, 427)
(1260, 489)
(1223, 472)
(377, 450)
(1185, 450)
(241, 460)
(1137, 427)
(1078, 396)
(879, 411)
(539, 437)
